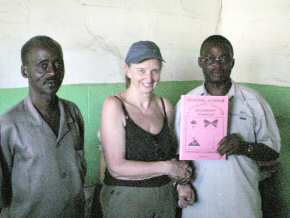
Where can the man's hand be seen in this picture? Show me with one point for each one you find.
(186, 195)
(231, 144)
(234, 144)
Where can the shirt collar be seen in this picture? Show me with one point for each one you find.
(34, 115)
(37, 119)
(230, 93)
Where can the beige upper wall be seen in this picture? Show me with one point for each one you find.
(95, 35)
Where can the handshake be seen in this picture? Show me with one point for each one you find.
(182, 173)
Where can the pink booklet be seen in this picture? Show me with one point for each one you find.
(204, 122)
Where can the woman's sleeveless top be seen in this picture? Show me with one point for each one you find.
(145, 146)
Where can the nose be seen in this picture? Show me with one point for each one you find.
(51, 70)
(216, 64)
(149, 76)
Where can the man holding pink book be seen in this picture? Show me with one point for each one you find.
(229, 188)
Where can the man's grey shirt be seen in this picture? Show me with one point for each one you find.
(43, 173)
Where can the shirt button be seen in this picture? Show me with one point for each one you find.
(63, 175)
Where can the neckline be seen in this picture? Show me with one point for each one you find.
(147, 132)
(127, 117)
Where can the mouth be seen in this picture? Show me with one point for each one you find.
(216, 73)
(51, 83)
(148, 85)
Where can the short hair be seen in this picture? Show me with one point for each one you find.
(39, 41)
(216, 40)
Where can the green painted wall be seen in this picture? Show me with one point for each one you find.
(90, 97)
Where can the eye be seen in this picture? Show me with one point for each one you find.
(58, 64)
(44, 66)
(223, 59)
(141, 71)
(208, 59)
(156, 72)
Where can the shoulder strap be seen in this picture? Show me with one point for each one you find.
(123, 106)
(164, 109)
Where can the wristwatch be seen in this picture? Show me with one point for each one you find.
(250, 149)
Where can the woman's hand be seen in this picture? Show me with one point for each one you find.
(186, 195)
(180, 171)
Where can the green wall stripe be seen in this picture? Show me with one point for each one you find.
(90, 97)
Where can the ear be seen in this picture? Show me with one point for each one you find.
(233, 63)
(127, 71)
(200, 63)
(24, 71)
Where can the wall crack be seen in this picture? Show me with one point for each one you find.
(219, 19)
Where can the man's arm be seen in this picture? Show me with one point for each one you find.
(266, 144)
(1, 180)
(5, 169)
(81, 152)
(234, 144)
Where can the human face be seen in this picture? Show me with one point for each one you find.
(145, 75)
(44, 70)
(216, 63)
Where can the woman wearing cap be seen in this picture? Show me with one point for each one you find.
(138, 143)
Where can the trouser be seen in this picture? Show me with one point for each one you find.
(138, 202)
